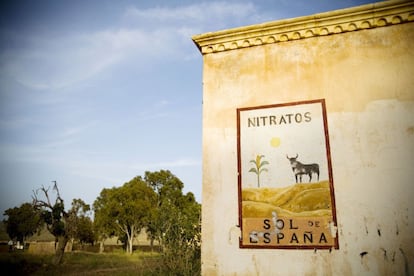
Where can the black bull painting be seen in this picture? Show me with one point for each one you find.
(300, 169)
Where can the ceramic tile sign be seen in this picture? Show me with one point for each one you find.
(286, 195)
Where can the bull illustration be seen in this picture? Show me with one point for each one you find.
(300, 169)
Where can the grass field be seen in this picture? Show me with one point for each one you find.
(80, 263)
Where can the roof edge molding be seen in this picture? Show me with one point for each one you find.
(328, 23)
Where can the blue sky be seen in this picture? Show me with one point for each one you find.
(94, 93)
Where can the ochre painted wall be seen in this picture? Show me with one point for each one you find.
(367, 80)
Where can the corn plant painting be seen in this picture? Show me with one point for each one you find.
(286, 196)
(258, 168)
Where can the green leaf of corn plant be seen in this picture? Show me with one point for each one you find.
(253, 170)
(263, 170)
(263, 163)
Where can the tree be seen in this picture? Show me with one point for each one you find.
(62, 224)
(85, 232)
(175, 223)
(124, 210)
(156, 203)
(168, 189)
(55, 217)
(22, 222)
(258, 168)
(79, 225)
(181, 237)
(102, 225)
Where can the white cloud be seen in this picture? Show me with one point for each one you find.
(200, 12)
(53, 66)
(49, 65)
(54, 62)
(197, 18)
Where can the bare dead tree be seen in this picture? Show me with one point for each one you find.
(55, 217)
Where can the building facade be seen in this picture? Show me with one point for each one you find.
(351, 72)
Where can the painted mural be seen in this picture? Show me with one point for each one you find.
(286, 195)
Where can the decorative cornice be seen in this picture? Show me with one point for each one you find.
(334, 22)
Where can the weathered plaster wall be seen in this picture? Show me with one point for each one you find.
(367, 80)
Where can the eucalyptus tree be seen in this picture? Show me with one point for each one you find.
(168, 190)
(124, 210)
(175, 223)
(103, 226)
(157, 204)
(79, 224)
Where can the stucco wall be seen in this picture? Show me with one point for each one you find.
(366, 78)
